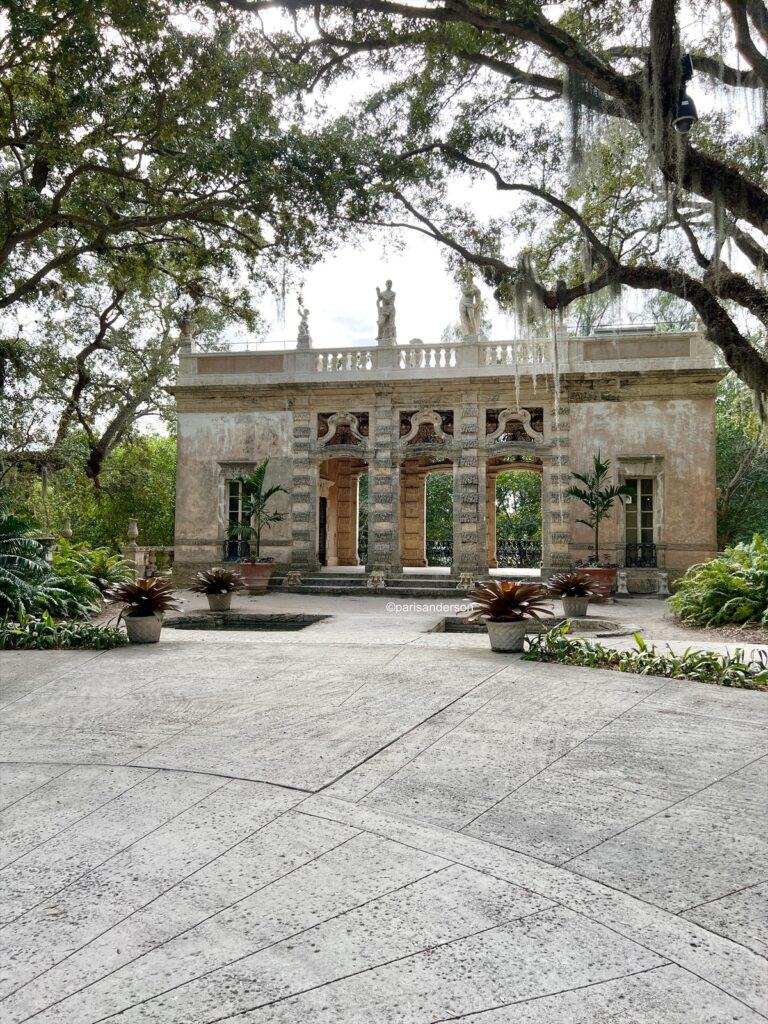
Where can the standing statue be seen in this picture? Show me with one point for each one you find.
(385, 315)
(303, 338)
(470, 308)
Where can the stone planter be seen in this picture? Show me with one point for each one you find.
(220, 602)
(603, 580)
(507, 636)
(575, 607)
(256, 575)
(144, 629)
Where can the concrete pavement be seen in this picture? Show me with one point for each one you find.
(367, 822)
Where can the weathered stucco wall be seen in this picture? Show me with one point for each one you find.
(211, 448)
(680, 433)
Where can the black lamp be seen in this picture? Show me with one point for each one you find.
(685, 111)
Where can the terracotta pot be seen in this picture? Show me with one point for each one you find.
(507, 636)
(220, 602)
(603, 580)
(575, 607)
(256, 575)
(144, 629)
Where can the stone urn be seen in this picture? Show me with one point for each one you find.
(256, 575)
(144, 629)
(220, 602)
(506, 636)
(575, 607)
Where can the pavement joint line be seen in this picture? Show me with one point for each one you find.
(136, 910)
(367, 970)
(558, 758)
(438, 739)
(82, 817)
(406, 732)
(386, 664)
(555, 992)
(667, 915)
(192, 928)
(663, 810)
(716, 899)
(42, 785)
(162, 768)
(50, 682)
(285, 938)
(117, 853)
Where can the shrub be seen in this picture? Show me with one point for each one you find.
(732, 588)
(735, 669)
(216, 581)
(102, 567)
(143, 597)
(38, 633)
(504, 601)
(27, 578)
(571, 584)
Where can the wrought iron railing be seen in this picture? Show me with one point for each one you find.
(439, 552)
(362, 550)
(518, 554)
(236, 549)
(640, 556)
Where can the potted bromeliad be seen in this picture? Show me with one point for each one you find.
(574, 589)
(600, 497)
(505, 606)
(144, 600)
(257, 517)
(218, 585)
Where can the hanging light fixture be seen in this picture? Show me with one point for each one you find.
(685, 110)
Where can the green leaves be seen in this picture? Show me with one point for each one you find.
(28, 633)
(598, 495)
(257, 516)
(737, 669)
(733, 588)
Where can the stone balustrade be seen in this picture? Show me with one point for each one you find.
(517, 357)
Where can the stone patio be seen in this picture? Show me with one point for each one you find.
(363, 821)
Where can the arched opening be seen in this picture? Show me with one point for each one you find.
(514, 513)
(438, 526)
(426, 512)
(339, 512)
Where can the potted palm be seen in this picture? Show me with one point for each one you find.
(600, 497)
(505, 606)
(218, 585)
(144, 600)
(257, 517)
(574, 589)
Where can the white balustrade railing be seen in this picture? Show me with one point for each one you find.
(516, 353)
(344, 360)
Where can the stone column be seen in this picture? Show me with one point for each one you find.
(490, 518)
(384, 496)
(303, 498)
(555, 511)
(412, 526)
(469, 545)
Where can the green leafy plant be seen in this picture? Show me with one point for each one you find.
(27, 578)
(26, 632)
(732, 588)
(102, 567)
(505, 601)
(599, 496)
(142, 597)
(257, 515)
(570, 584)
(736, 669)
(216, 581)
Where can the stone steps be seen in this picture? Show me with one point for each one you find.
(344, 584)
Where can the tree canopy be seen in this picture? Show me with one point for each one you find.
(569, 116)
